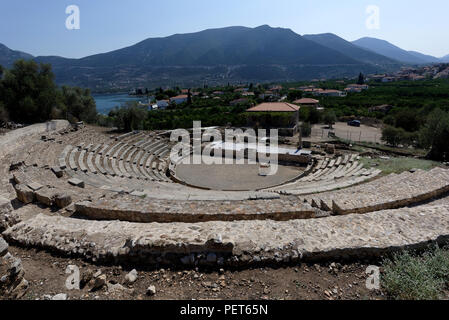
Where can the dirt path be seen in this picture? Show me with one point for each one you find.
(342, 130)
(47, 277)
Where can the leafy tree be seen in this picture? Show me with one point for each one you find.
(306, 129)
(408, 119)
(329, 118)
(361, 79)
(392, 135)
(129, 117)
(29, 92)
(435, 135)
(78, 104)
(314, 116)
(189, 97)
(3, 114)
(29, 95)
(294, 95)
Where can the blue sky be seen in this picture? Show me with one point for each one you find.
(38, 27)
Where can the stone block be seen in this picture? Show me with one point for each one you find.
(3, 247)
(62, 200)
(5, 205)
(57, 171)
(16, 165)
(24, 194)
(77, 183)
(45, 196)
(35, 186)
(330, 148)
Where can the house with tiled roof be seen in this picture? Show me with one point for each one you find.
(307, 102)
(275, 115)
(179, 99)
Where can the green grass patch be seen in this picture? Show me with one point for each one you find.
(410, 277)
(398, 164)
(365, 146)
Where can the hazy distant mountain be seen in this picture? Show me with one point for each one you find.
(213, 56)
(227, 46)
(445, 58)
(425, 57)
(351, 50)
(8, 56)
(219, 56)
(389, 50)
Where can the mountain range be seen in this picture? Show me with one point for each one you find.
(391, 51)
(232, 54)
(8, 56)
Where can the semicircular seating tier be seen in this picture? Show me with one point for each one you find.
(110, 198)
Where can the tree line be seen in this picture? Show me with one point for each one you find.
(28, 94)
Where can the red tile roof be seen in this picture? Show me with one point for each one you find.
(274, 107)
(182, 96)
(306, 101)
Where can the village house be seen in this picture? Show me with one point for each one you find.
(308, 102)
(179, 99)
(276, 89)
(388, 79)
(162, 104)
(239, 102)
(269, 95)
(275, 115)
(330, 93)
(358, 86)
(353, 89)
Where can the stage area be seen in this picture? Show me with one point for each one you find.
(234, 177)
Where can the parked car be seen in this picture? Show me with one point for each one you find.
(354, 123)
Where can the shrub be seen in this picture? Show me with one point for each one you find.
(390, 135)
(306, 129)
(3, 114)
(329, 118)
(435, 134)
(409, 277)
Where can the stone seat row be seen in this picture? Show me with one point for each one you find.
(330, 174)
(239, 243)
(129, 208)
(389, 192)
(334, 168)
(119, 159)
(329, 185)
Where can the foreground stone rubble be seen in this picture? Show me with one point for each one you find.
(12, 282)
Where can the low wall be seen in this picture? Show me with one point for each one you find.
(201, 212)
(401, 203)
(238, 244)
